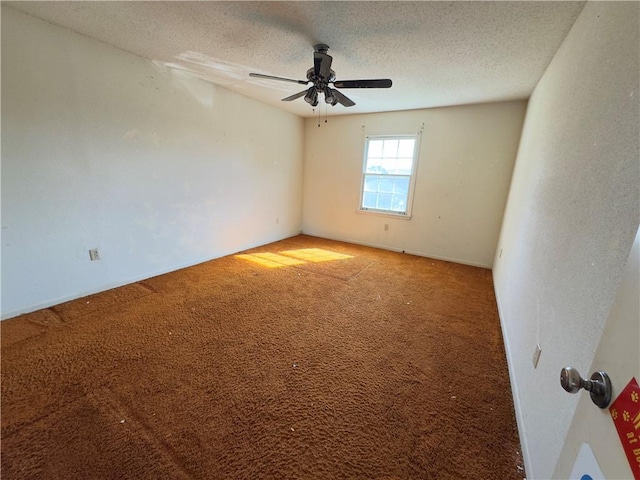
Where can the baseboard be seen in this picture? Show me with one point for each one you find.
(400, 250)
(514, 389)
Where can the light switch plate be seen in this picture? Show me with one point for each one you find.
(536, 355)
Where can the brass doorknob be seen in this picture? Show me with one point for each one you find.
(599, 385)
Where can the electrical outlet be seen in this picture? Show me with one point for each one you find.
(94, 254)
(386, 227)
(536, 355)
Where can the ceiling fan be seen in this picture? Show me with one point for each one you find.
(321, 76)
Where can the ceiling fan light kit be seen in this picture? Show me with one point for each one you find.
(311, 97)
(321, 76)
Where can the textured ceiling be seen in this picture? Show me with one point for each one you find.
(436, 53)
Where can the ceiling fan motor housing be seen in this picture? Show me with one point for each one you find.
(312, 77)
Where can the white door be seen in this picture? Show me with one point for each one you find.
(618, 354)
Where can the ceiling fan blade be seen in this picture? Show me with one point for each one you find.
(271, 77)
(322, 64)
(293, 97)
(381, 83)
(343, 99)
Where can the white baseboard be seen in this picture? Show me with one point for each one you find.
(514, 389)
(394, 249)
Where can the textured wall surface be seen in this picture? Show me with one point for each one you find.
(157, 169)
(572, 214)
(464, 169)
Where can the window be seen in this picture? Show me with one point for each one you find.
(388, 174)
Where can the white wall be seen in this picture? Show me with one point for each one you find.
(465, 165)
(101, 148)
(572, 214)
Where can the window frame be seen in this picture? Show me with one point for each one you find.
(412, 177)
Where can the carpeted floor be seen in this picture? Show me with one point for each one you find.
(302, 359)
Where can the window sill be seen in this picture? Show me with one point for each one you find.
(381, 213)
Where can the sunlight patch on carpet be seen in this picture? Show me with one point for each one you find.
(315, 255)
(293, 257)
(270, 260)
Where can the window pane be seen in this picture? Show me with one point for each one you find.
(404, 166)
(405, 148)
(369, 200)
(401, 185)
(373, 166)
(389, 165)
(384, 201)
(390, 148)
(386, 185)
(371, 183)
(375, 148)
(399, 203)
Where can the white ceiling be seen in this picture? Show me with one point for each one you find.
(436, 53)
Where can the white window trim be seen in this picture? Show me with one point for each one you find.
(412, 177)
(383, 213)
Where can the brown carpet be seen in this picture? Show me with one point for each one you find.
(305, 358)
